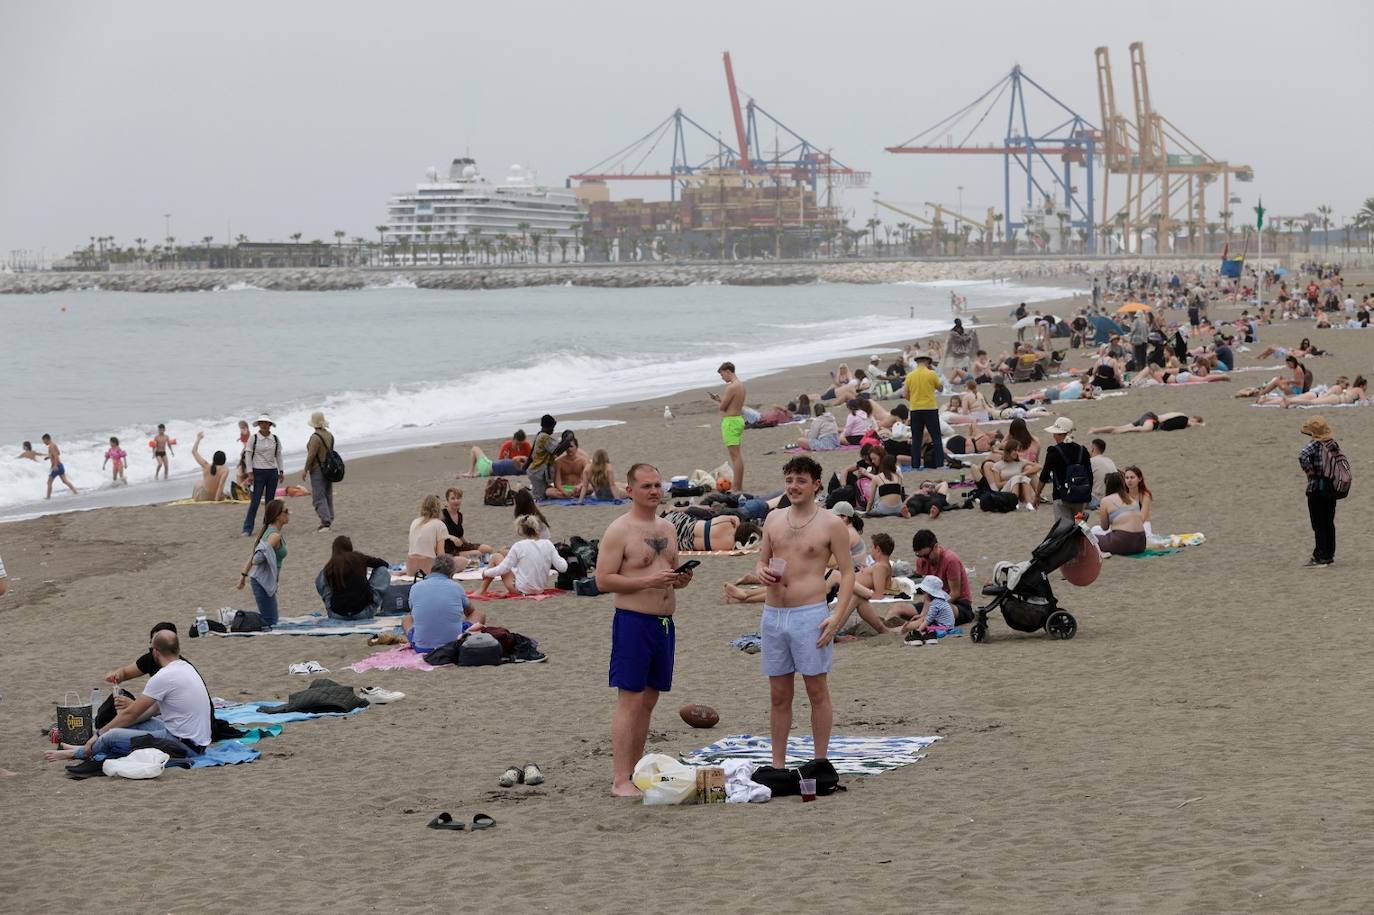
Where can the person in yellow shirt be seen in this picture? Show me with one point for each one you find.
(919, 389)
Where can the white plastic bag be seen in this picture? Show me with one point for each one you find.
(145, 763)
(664, 780)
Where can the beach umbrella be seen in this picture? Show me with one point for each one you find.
(1132, 307)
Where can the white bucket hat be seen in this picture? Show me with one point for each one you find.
(264, 418)
(934, 586)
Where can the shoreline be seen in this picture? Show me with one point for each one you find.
(614, 276)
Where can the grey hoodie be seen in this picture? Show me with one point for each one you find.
(265, 566)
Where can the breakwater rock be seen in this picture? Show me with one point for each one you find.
(752, 273)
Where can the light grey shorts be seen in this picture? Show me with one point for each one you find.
(789, 641)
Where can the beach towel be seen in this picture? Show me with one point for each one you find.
(493, 595)
(253, 735)
(247, 713)
(224, 753)
(1317, 406)
(747, 641)
(319, 624)
(1167, 545)
(849, 755)
(397, 657)
(574, 502)
(202, 502)
(737, 551)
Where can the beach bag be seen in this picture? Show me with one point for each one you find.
(247, 621)
(1078, 481)
(398, 595)
(478, 649)
(998, 502)
(497, 492)
(75, 724)
(332, 467)
(664, 780)
(1336, 469)
(827, 779)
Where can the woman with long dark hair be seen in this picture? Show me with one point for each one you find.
(347, 581)
(269, 552)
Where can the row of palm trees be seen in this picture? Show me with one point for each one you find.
(477, 247)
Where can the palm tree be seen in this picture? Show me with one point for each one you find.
(1325, 212)
(405, 247)
(562, 250)
(449, 236)
(172, 249)
(339, 235)
(476, 233)
(535, 236)
(295, 240)
(872, 227)
(463, 248)
(206, 240)
(381, 242)
(1364, 219)
(524, 228)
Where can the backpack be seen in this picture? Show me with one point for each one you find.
(997, 502)
(1077, 485)
(1336, 468)
(497, 492)
(331, 466)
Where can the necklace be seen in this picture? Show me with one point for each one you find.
(797, 528)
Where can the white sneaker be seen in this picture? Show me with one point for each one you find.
(305, 668)
(380, 696)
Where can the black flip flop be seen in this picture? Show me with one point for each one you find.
(445, 821)
(482, 821)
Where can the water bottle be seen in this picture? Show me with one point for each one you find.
(202, 627)
(95, 701)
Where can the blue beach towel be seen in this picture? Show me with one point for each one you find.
(850, 755)
(574, 502)
(247, 713)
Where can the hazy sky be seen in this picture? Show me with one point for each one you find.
(283, 117)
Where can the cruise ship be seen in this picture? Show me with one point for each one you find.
(469, 201)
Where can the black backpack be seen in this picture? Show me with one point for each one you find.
(1077, 485)
(999, 502)
(787, 782)
(331, 466)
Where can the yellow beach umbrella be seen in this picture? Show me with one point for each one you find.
(1132, 307)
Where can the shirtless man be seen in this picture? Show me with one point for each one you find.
(636, 562)
(161, 446)
(57, 471)
(569, 468)
(731, 405)
(27, 453)
(798, 628)
(214, 476)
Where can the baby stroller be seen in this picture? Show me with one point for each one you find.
(1022, 590)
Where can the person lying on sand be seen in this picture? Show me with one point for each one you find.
(1341, 392)
(1152, 422)
(482, 466)
(1290, 384)
(722, 533)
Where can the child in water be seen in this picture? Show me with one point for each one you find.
(27, 452)
(119, 456)
(162, 445)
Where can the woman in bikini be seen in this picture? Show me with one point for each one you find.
(1121, 528)
(888, 496)
(1289, 385)
(214, 476)
(1151, 422)
(1342, 392)
(1134, 478)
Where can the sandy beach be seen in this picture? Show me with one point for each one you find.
(1199, 746)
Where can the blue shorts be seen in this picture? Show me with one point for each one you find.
(59, 470)
(505, 469)
(642, 651)
(789, 641)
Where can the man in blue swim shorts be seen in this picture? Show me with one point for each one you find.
(58, 470)
(636, 561)
(798, 627)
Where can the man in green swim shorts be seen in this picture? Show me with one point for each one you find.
(731, 405)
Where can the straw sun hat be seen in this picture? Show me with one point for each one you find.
(1317, 428)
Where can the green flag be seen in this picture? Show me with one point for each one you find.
(1259, 215)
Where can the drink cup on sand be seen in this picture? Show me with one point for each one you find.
(808, 790)
(777, 566)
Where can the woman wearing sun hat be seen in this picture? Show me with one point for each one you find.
(262, 458)
(321, 490)
(1321, 495)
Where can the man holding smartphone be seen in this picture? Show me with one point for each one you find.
(637, 562)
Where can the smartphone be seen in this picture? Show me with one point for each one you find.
(688, 566)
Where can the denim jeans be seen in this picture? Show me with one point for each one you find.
(267, 603)
(115, 742)
(928, 420)
(264, 481)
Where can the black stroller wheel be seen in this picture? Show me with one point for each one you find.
(1061, 625)
(979, 632)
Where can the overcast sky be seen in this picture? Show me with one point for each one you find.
(283, 117)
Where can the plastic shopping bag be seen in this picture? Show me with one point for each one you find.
(145, 763)
(664, 780)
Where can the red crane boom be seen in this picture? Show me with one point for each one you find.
(739, 116)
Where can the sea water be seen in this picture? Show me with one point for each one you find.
(397, 367)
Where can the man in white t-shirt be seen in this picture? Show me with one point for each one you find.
(1102, 465)
(175, 704)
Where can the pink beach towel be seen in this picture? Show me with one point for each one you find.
(397, 657)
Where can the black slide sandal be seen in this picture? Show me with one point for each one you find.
(445, 821)
(482, 821)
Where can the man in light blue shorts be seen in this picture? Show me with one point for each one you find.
(798, 626)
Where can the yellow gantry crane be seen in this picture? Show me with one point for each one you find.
(1164, 188)
(938, 223)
